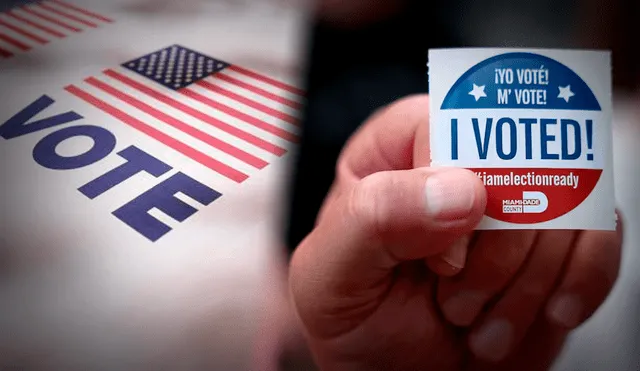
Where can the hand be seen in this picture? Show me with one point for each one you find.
(372, 286)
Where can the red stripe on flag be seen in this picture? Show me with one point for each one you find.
(24, 33)
(268, 80)
(257, 90)
(35, 25)
(200, 135)
(83, 11)
(5, 53)
(52, 20)
(18, 44)
(246, 101)
(240, 116)
(67, 15)
(190, 152)
(250, 138)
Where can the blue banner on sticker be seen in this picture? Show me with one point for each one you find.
(520, 80)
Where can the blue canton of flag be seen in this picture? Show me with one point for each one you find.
(175, 67)
(8, 4)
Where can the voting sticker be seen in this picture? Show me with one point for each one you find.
(535, 126)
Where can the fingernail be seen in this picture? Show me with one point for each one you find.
(462, 308)
(448, 196)
(566, 310)
(456, 255)
(493, 341)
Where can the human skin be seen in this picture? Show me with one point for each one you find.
(394, 277)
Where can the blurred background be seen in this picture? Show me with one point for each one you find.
(352, 57)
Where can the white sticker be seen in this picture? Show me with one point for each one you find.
(535, 126)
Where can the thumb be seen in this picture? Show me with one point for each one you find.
(385, 219)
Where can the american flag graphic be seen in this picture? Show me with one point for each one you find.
(229, 119)
(37, 23)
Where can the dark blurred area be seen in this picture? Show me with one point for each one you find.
(365, 54)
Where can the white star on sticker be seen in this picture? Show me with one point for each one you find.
(565, 93)
(478, 92)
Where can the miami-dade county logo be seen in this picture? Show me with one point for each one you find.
(527, 125)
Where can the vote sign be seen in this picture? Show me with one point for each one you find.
(534, 126)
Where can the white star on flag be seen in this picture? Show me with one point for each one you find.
(478, 92)
(565, 93)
